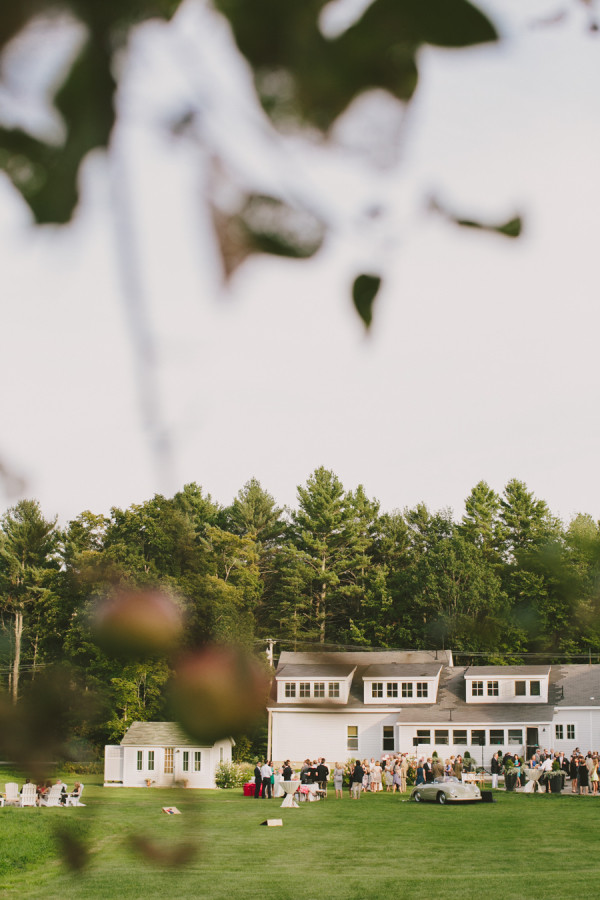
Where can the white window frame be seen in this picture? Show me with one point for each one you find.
(477, 689)
(352, 739)
(571, 732)
(422, 689)
(290, 689)
(559, 732)
(334, 689)
(377, 690)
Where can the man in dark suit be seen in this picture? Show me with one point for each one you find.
(322, 775)
(257, 781)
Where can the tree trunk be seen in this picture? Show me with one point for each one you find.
(17, 658)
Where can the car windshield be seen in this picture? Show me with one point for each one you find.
(445, 780)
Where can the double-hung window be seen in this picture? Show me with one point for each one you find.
(515, 736)
(534, 689)
(520, 688)
(197, 760)
(186, 761)
(459, 737)
(377, 689)
(407, 689)
(305, 689)
(570, 732)
(352, 737)
(559, 732)
(441, 737)
(319, 690)
(422, 689)
(492, 689)
(290, 689)
(477, 688)
(388, 737)
(140, 760)
(424, 736)
(334, 689)
(151, 760)
(497, 736)
(392, 689)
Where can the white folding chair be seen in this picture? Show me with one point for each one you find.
(12, 793)
(74, 799)
(29, 795)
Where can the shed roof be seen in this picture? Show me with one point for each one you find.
(576, 685)
(156, 734)
(507, 671)
(403, 670)
(314, 670)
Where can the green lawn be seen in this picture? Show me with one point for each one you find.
(523, 846)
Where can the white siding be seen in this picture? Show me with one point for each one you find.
(506, 689)
(205, 778)
(587, 729)
(301, 735)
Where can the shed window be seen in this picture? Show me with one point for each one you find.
(559, 732)
(319, 689)
(492, 688)
(441, 737)
(424, 736)
(168, 760)
(140, 760)
(478, 737)
(422, 689)
(459, 737)
(377, 689)
(392, 688)
(221, 754)
(570, 732)
(186, 761)
(334, 689)
(388, 737)
(407, 689)
(197, 760)
(534, 688)
(477, 688)
(515, 735)
(151, 760)
(290, 689)
(496, 735)
(305, 689)
(520, 688)
(352, 737)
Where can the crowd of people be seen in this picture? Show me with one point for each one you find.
(395, 773)
(42, 791)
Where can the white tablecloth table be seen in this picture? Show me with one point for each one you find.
(533, 776)
(278, 785)
(290, 788)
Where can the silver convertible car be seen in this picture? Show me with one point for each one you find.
(446, 790)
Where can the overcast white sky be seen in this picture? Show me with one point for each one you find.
(483, 360)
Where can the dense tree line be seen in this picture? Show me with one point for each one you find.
(506, 580)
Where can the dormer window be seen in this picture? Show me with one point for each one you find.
(290, 689)
(305, 689)
(534, 688)
(477, 688)
(422, 689)
(334, 689)
(392, 689)
(407, 689)
(319, 689)
(377, 689)
(492, 688)
(520, 688)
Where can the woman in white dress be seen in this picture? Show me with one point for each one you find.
(376, 778)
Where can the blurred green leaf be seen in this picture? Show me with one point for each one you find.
(364, 291)
(379, 50)
(47, 175)
(512, 228)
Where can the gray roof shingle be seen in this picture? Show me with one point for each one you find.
(403, 670)
(156, 734)
(314, 670)
(530, 671)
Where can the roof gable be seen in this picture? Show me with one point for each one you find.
(156, 734)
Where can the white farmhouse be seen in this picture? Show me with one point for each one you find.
(160, 752)
(364, 704)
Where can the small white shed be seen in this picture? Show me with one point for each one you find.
(162, 753)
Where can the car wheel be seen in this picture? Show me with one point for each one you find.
(441, 798)
(417, 797)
